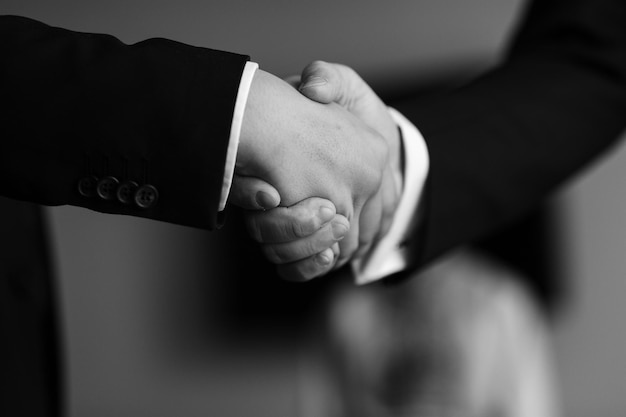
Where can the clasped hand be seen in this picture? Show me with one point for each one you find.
(329, 155)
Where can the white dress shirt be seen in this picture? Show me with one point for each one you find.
(235, 130)
(389, 256)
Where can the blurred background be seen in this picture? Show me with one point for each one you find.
(139, 340)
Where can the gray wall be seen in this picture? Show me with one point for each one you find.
(283, 35)
(125, 282)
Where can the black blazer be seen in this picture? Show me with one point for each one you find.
(76, 108)
(503, 141)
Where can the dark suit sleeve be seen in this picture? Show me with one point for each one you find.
(502, 142)
(77, 106)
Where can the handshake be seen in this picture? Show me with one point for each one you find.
(319, 168)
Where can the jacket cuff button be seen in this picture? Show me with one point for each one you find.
(126, 192)
(146, 196)
(107, 187)
(87, 186)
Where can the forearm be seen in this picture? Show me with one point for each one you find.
(501, 143)
(75, 105)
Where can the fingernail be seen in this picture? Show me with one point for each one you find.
(313, 82)
(339, 230)
(326, 214)
(265, 200)
(325, 258)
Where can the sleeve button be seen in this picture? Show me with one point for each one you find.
(126, 192)
(146, 196)
(107, 188)
(87, 186)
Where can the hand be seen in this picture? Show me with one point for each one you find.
(307, 149)
(326, 83)
(302, 239)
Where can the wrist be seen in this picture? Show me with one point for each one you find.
(262, 121)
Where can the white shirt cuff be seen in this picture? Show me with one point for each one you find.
(388, 256)
(235, 130)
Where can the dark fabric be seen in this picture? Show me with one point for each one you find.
(31, 378)
(499, 144)
(74, 105)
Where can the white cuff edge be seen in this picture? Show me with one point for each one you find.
(235, 130)
(387, 256)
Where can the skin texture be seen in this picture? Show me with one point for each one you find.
(334, 83)
(322, 151)
(304, 255)
(303, 240)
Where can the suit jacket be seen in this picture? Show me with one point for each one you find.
(501, 143)
(79, 112)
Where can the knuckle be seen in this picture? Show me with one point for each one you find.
(324, 259)
(282, 253)
(317, 64)
(309, 223)
(305, 269)
(348, 73)
(304, 223)
(296, 229)
(316, 67)
(313, 268)
(311, 247)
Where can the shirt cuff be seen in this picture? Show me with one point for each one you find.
(389, 256)
(235, 130)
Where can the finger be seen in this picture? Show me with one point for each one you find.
(293, 80)
(369, 224)
(321, 83)
(391, 196)
(309, 268)
(335, 249)
(329, 82)
(286, 224)
(324, 238)
(387, 201)
(350, 243)
(253, 193)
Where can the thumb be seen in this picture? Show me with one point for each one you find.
(321, 82)
(293, 80)
(252, 193)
